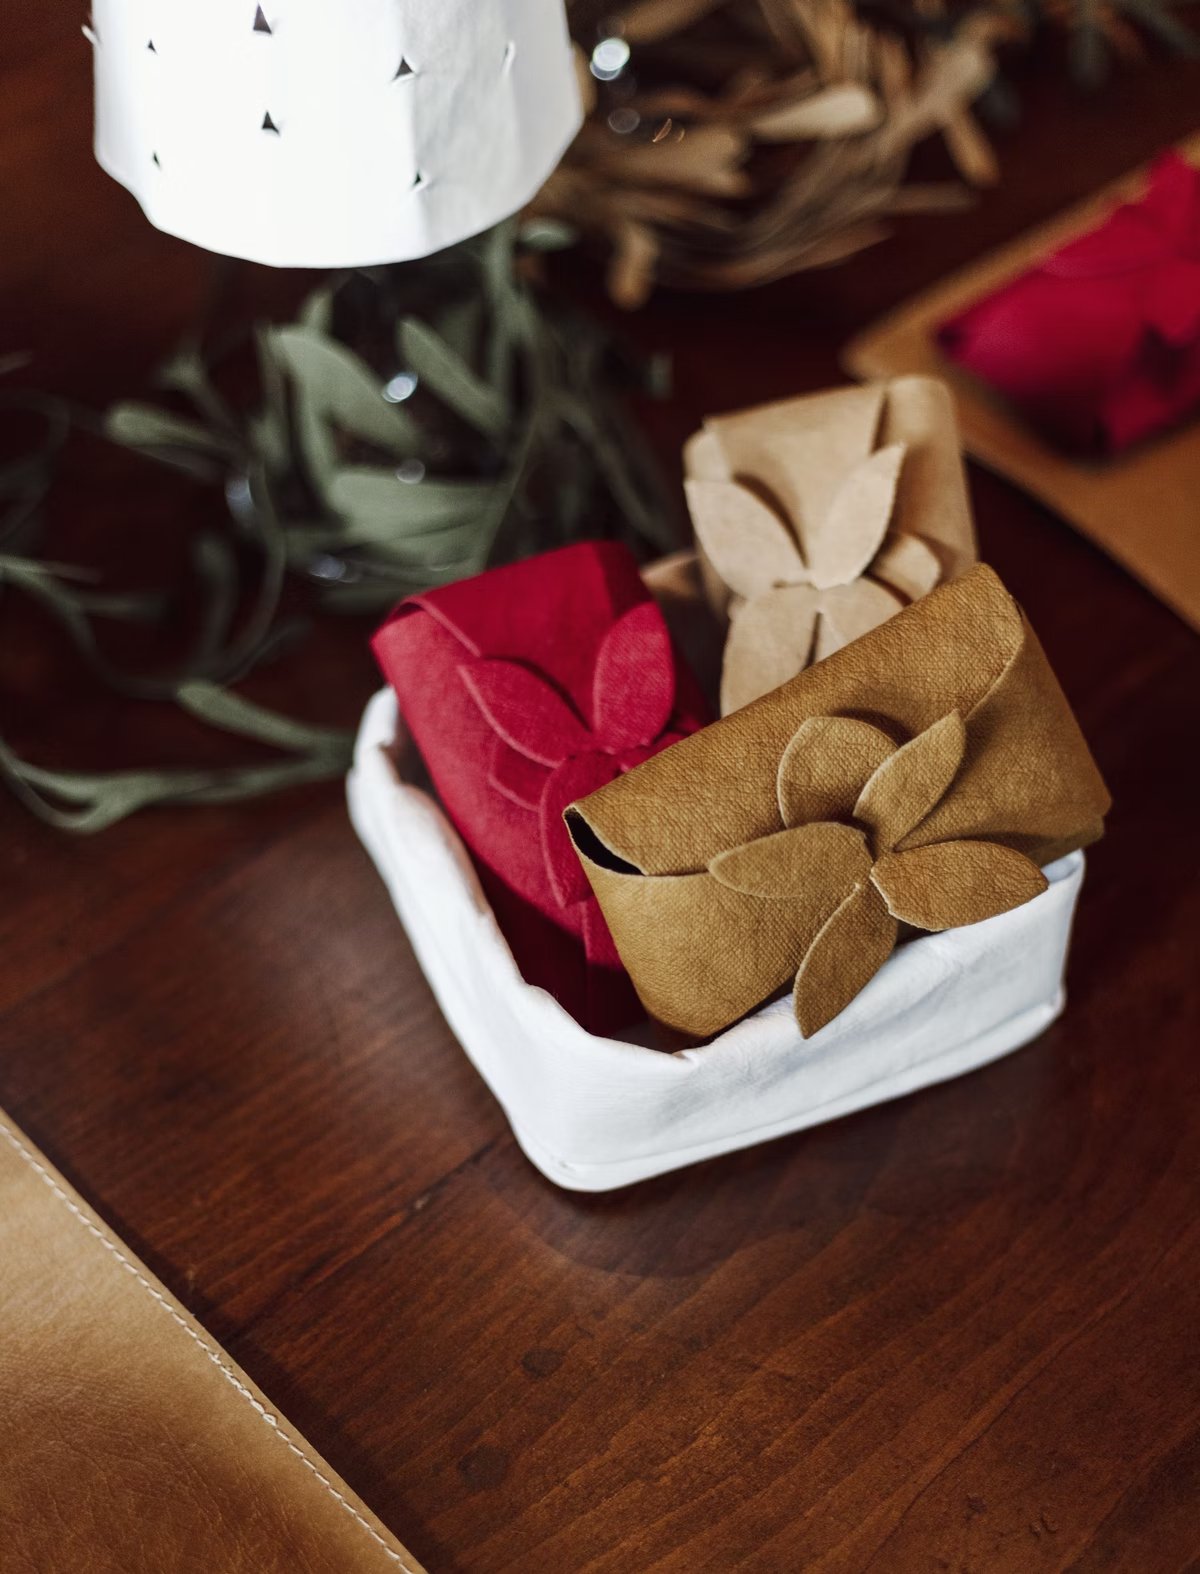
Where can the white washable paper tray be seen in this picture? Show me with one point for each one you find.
(596, 1113)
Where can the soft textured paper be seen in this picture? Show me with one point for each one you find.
(595, 1113)
(821, 517)
(341, 134)
(1140, 506)
(1098, 343)
(525, 688)
(922, 774)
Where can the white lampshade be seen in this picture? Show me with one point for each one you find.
(331, 133)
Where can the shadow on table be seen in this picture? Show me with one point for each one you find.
(925, 1160)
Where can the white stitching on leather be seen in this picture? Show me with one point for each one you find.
(213, 1354)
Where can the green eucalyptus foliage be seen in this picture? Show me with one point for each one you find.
(411, 426)
(505, 438)
(90, 801)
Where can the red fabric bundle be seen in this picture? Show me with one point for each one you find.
(1099, 345)
(525, 688)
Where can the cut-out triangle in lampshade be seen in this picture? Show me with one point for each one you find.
(331, 133)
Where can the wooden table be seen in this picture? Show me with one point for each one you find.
(955, 1333)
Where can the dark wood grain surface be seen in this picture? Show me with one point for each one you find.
(956, 1333)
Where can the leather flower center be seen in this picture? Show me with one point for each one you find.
(852, 804)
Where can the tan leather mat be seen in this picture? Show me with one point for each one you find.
(1143, 508)
(129, 1442)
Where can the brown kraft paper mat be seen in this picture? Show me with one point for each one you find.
(1143, 507)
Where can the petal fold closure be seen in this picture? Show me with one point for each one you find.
(949, 884)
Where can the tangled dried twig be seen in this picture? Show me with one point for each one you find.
(731, 142)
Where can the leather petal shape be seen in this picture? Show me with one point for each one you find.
(853, 530)
(633, 681)
(770, 640)
(909, 783)
(907, 564)
(825, 767)
(850, 611)
(949, 884)
(525, 710)
(852, 945)
(515, 776)
(794, 863)
(747, 543)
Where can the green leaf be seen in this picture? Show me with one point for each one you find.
(104, 798)
(546, 234)
(178, 439)
(41, 583)
(386, 583)
(461, 325)
(101, 800)
(378, 507)
(216, 569)
(337, 387)
(317, 311)
(185, 372)
(131, 606)
(427, 557)
(232, 713)
(255, 635)
(532, 380)
(269, 429)
(444, 372)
